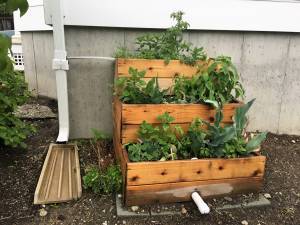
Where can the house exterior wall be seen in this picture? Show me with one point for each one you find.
(268, 63)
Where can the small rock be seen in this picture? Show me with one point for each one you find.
(293, 141)
(267, 195)
(228, 199)
(244, 222)
(43, 206)
(183, 210)
(124, 222)
(43, 212)
(104, 223)
(134, 208)
(119, 196)
(103, 210)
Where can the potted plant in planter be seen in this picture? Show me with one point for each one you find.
(167, 77)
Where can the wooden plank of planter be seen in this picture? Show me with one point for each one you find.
(129, 131)
(194, 170)
(117, 115)
(182, 113)
(155, 67)
(181, 191)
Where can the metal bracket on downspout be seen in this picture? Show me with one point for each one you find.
(60, 65)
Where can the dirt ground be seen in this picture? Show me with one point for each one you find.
(20, 170)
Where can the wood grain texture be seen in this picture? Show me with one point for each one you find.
(129, 131)
(194, 170)
(156, 67)
(60, 179)
(182, 113)
(181, 191)
(117, 116)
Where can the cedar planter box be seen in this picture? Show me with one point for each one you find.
(173, 181)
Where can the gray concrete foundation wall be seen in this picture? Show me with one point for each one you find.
(269, 64)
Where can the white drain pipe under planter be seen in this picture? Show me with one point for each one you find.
(60, 65)
(202, 206)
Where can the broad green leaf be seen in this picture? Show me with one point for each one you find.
(255, 142)
(240, 116)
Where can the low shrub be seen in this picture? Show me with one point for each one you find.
(103, 181)
(13, 92)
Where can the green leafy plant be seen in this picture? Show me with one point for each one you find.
(220, 82)
(168, 45)
(162, 142)
(103, 182)
(229, 141)
(134, 89)
(156, 142)
(101, 145)
(13, 89)
(13, 92)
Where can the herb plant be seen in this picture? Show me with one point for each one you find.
(168, 45)
(134, 89)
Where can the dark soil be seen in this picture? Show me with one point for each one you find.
(20, 170)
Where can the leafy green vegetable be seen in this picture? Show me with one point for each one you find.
(219, 83)
(156, 142)
(255, 142)
(163, 142)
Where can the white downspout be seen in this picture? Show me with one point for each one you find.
(60, 65)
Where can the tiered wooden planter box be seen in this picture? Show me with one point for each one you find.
(174, 181)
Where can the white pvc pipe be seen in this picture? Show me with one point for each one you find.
(92, 57)
(60, 65)
(202, 206)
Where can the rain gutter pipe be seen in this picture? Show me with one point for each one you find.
(60, 65)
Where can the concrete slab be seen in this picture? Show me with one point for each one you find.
(124, 212)
(261, 202)
(263, 71)
(290, 108)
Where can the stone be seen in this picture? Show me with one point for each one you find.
(134, 208)
(43, 212)
(104, 223)
(229, 199)
(267, 195)
(293, 141)
(244, 222)
(183, 210)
